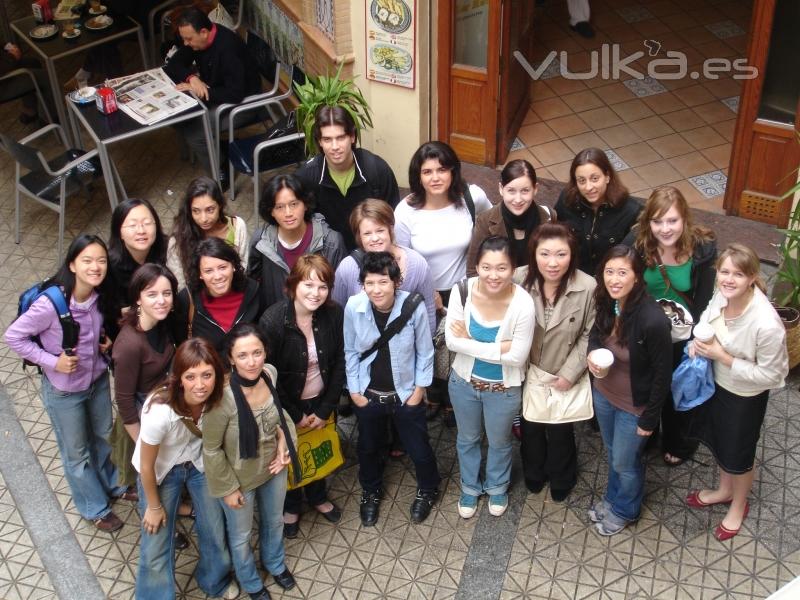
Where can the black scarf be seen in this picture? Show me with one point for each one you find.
(248, 428)
(527, 222)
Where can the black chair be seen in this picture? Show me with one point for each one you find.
(4, 79)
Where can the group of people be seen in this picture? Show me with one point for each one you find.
(226, 346)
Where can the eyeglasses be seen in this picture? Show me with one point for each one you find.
(136, 226)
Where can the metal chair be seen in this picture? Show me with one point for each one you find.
(27, 73)
(51, 182)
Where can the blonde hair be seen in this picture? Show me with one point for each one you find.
(657, 205)
(376, 210)
(746, 260)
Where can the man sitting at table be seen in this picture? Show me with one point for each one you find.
(214, 65)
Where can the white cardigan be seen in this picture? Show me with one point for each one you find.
(517, 326)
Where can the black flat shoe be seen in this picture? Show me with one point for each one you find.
(291, 530)
(423, 504)
(181, 542)
(285, 580)
(583, 29)
(334, 515)
(534, 485)
(368, 510)
(559, 495)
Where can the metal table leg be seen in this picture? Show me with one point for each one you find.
(58, 100)
(212, 155)
(108, 175)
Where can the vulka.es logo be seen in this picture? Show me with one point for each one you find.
(608, 63)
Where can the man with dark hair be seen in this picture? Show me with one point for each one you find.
(214, 65)
(389, 361)
(343, 175)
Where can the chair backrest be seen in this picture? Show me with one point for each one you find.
(263, 55)
(24, 155)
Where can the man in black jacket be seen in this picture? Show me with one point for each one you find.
(343, 175)
(214, 65)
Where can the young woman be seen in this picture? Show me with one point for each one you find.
(372, 223)
(491, 332)
(143, 351)
(679, 265)
(292, 229)
(749, 357)
(219, 295)
(304, 335)
(202, 215)
(627, 400)
(245, 453)
(136, 238)
(596, 206)
(515, 217)
(169, 456)
(563, 297)
(75, 387)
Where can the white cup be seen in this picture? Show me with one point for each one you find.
(704, 332)
(603, 359)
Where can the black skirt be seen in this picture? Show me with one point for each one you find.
(730, 425)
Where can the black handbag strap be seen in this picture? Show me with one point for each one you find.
(297, 474)
(410, 304)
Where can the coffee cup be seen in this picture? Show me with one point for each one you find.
(703, 332)
(602, 359)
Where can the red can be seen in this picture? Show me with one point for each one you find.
(106, 100)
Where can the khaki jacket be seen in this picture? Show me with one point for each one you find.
(561, 348)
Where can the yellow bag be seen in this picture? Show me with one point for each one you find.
(319, 452)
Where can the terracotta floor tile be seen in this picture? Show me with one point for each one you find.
(713, 112)
(720, 155)
(738, 43)
(638, 154)
(663, 8)
(674, 84)
(664, 103)
(552, 153)
(619, 135)
(689, 165)
(678, 21)
(643, 194)
(726, 128)
(531, 117)
(566, 44)
(631, 180)
(540, 90)
(560, 171)
(724, 87)
(567, 125)
(536, 133)
(550, 108)
(582, 101)
(589, 139)
(689, 192)
(632, 110)
(561, 86)
(614, 93)
(651, 29)
(703, 137)
(522, 153)
(651, 127)
(544, 173)
(705, 15)
(694, 95)
(621, 33)
(696, 35)
(658, 173)
(671, 145)
(600, 118)
(671, 41)
(608, 20)
(683, 120)
(716, 49)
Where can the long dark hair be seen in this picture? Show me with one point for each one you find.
(118, 254)
(189, 354)
(216, 248)
(280, 182)
(550, 231)
(616, 192)
(143, 278)
(448, 159)
(186, 232)
(606, 319)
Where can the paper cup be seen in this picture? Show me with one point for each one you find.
(704, 332)
(603, 359)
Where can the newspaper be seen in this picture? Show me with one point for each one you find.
(149, 96)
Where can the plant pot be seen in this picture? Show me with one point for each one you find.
(791, 322)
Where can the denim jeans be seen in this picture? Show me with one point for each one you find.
(626, 466)
(239, 524)
(155, 579)
(372, 441)
(497, 410)
(82, 424)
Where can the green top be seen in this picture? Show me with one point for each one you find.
(679, 275)
(344, 180)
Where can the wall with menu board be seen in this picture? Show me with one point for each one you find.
(390, 41)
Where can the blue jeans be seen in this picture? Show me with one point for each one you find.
(239, 524)
(155, 579)
(626, 466)
(82, 423)
(497, 410)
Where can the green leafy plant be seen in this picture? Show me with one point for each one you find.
(788, 272)
(324, 90)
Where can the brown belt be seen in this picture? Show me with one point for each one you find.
(487, 386)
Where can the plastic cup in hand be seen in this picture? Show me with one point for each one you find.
(703, 332)
(603, 359)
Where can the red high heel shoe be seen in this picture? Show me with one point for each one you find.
(723, 534)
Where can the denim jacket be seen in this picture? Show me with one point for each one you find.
(411, 350)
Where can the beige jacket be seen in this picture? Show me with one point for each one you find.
(561, 348)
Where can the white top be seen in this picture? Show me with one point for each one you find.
(517, 326)
(442, 236)
(161, 426)
(241, 241)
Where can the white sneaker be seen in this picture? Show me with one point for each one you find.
(231, 592)
(498, 504)
(467, 506)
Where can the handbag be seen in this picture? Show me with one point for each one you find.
(679, 316)
(541, 403)
(442, 356)
(319, 452)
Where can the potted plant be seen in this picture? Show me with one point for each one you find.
(324, 90)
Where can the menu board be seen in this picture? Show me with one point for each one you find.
(391, 56)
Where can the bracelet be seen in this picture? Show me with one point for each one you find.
(159, 507)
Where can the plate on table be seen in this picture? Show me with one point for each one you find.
(83, 95)
(71, 36)
(44, 32)
(99, 23)
(98, 11)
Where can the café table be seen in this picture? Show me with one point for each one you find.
(58, 47)
(118, 127)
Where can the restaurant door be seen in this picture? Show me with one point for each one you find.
(483, 90)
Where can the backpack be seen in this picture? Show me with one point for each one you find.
(54, 293)
(470, 203)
